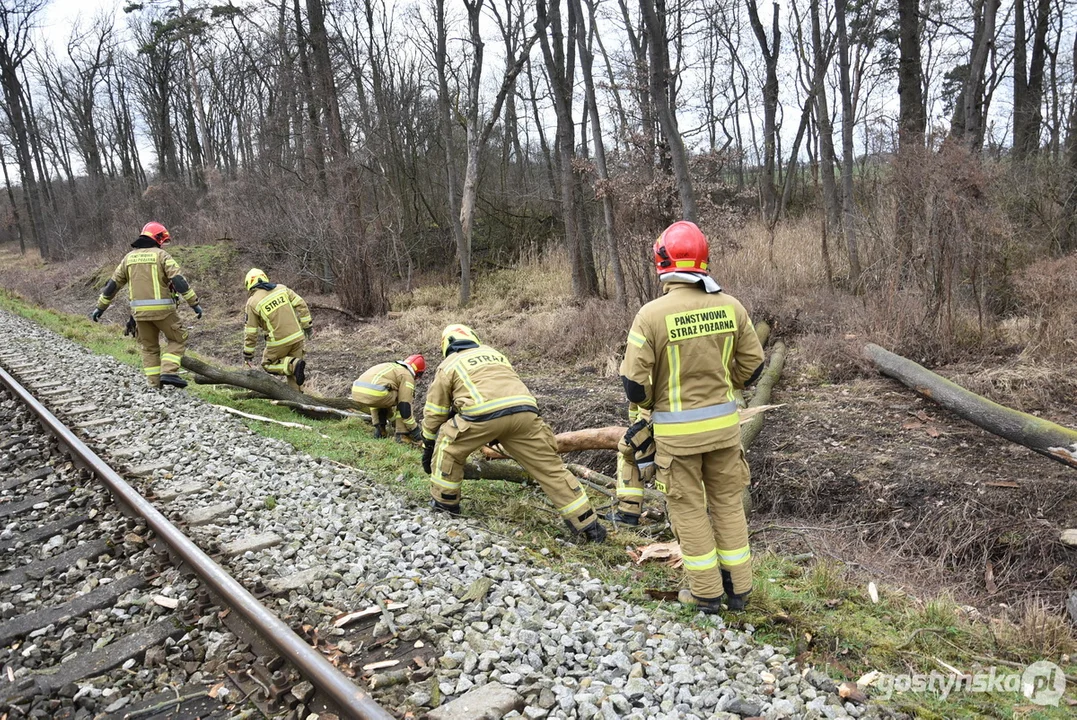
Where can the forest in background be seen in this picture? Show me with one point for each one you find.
(925, 155)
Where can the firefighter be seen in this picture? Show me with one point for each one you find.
(388, 389)
(154, 285)
(686, 353)
(477, 398)
(285, 318)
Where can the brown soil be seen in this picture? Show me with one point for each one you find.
(862, 470)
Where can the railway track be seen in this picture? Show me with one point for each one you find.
(430, 612)
(108, 610)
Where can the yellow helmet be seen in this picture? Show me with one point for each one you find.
(255, 276)
(455, 332)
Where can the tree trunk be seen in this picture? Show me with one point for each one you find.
(463, 248)
(847, 119)
(1028, 79)
(561, 71)
(587, 63)
(827, 157)
(659, 78)
(912, 123)
(770, 52)
(261, 383)
(967, 124)
(1043, 436)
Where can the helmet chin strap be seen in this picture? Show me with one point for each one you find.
(709, 284)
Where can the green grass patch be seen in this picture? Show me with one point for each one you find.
(819, 612)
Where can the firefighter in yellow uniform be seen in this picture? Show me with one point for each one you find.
(153, 283)
(388, 390)
(686, 353)
(477, 398)
(285, 318)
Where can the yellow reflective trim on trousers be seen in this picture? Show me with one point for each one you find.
(152, 370)
(629, 492)
(499, 404)
(285, 340)
(699, 426)
(103, 302)
(735, 557)
(188, 295)
(636, 339)
(699, 563)
(281, 365)
(436, 409)
(169, 357)
(574, 505)
(427, 435)
(436, 477)
(673, 353)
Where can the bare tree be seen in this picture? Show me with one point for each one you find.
(1028, 78)
(17, 20)
(847, 121)
(770, 50)
(967, 123)
(654, 14)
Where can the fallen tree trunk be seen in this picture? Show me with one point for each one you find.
(260, 382)
(750, 430)
(1043, 436)
(606, 438)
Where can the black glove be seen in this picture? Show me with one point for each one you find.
(96, 314)
(308, 331)
(428, 456)
(131, 328)
(416, 434)
(635, 429)
(197, 311)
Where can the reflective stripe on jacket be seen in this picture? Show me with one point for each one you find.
(479, 384)
(280, 312)
(381, 380)
(148, 274)
(690, 350)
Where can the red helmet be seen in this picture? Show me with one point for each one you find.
(417, 363)
(682, 247)
(155, 231)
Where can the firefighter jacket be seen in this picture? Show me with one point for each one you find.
(384, 380)
(478, 383)
(687, 352)
(153, 280)
(278, 311)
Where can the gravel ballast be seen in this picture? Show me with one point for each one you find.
(571, 647)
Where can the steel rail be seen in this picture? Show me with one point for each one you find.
(338, 688)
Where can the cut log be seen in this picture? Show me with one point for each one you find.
(260, 382)
(762, 329)
(347, 313)
(1043, 436)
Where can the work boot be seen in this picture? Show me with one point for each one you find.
(379, 432)
(300, 372)
(710, 606)
(453, 510)
(618, 516)
(592, 533)
(173, 380)
(732, 600)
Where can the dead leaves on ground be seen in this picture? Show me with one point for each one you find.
(667, 552)
(923, 421)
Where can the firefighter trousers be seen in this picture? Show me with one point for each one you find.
(704, 497)
(281, 360)
(525, 437)
(154, 362)
(629, 486)
(382, 409)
